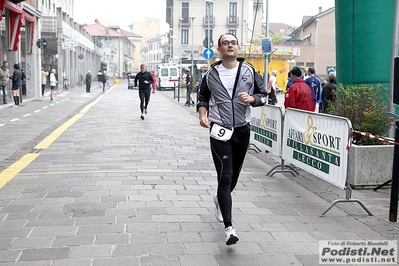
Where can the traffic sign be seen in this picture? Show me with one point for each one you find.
(81, 56)
(205, 42)
(57, 56)
(41, 43)
(208, 53)
(266, 45)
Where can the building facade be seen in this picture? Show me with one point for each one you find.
(19, 33)
(197, 23)
(119, 48)
(70, 50)
(316, 39)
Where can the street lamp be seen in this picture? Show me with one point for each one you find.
(315, 45)
(180, 56)
(208, 5)
(171, 45)
(192, 44)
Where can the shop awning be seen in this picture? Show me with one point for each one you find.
(15, 22)
(1, 9)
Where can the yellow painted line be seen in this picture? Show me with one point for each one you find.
(44, 144)
(87, 107)
(15, 168)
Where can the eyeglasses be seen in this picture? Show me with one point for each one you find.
(228, 43)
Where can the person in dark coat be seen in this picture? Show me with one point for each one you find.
(328, 94)
(103, 79)
(88, 81)
(16, 84)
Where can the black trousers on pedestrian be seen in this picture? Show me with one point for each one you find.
(228, 158)
(144, 95)
(43, 87)
(88, 85)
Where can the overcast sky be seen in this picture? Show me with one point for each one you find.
(126, 12)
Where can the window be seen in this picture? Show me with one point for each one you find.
(233, 12)
(185, 12)
(209, 12)
(233, 32)
(164, 72)
(184, 37)
(210, 34)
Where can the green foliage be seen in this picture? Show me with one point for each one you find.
(365, 106)
(277, 38)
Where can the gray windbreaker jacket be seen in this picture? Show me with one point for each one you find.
(229, 111)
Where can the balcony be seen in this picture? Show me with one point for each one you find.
(210, 19)
(232, 22)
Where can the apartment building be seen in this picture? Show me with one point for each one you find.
(316, 40)
(70, 49)
(195, 23)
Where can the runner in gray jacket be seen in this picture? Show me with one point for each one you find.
(228, 91)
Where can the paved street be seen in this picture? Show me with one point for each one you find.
(98, 186)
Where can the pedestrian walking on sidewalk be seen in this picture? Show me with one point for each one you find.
(16, 84)
(4, 79)
(88, 81)
(53, 83)
(44, 75)
(103, 79)
(99, 74)
(228, 91)
(145, 80)
(189, 87)
(154, 84)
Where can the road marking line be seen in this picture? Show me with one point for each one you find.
(2, 125)
(15, 168)
(44, 144)
(27, 115)
(44, 107)
(36, 111)
(15, 119)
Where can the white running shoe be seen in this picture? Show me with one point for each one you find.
(230, 236)
(218, 213)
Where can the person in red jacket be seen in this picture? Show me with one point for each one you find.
(154, 85)
(299, 95)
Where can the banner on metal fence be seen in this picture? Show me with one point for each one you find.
(266, 128)
(318, 144)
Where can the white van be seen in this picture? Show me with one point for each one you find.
(168, 76)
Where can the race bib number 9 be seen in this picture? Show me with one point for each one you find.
(221, 133)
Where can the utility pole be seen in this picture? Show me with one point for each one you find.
(192, 44)
(170, 35)
(265, 80)
(208, 16)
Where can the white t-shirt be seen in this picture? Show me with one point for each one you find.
(273, 80)
(228, 77)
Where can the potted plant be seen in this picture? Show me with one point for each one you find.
(370, 160)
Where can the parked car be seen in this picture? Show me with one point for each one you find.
(130, 80)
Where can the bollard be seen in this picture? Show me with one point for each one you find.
(178, 93)
(174, 91)
(393, 206)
